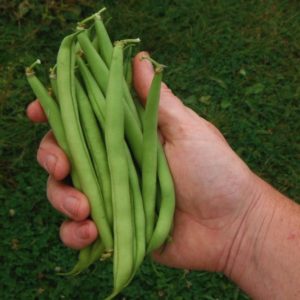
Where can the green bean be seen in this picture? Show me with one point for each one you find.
(135, 138)
(141, 243)
(114, 138)
(149, 150)
(54, 118)
(82, 262)
(50, 107)
(131, 126)
(83, 258)
(139, 209)
(95, 43)
(53, 114)
(128, 66)
(129, 100)
(79, 152)
(53, 82)
(105, 44)
(138, 215)
(96, 252)
(105, 50)
(97, 65)
(140, 109)
(96, 146)
(134, 217)
(95, 95)
(167, 204)
(101, 71)
(87, 257)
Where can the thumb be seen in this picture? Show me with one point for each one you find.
(171, 111)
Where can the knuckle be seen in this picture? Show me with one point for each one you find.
(72, 207)
(75, 211)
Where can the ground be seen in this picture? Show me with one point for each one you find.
(236, 63)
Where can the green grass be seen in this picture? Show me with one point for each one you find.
(236, 63)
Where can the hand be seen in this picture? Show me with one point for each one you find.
(214, 188)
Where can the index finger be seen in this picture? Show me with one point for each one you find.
(35, 112)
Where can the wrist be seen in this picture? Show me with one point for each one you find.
(258, 250)
(252, 227)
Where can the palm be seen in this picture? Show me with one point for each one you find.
(207, 176)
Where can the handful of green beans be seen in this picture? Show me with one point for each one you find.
(112, 143)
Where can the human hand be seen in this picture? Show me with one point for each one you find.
(214, 188)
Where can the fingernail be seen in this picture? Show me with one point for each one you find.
(50, 163)
(83, 232)
(70, 204)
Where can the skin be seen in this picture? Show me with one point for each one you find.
(227, 219)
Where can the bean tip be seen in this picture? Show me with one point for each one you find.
(158, 67)
(29, 70)
(124, 42)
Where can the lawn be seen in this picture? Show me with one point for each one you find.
(236, 63)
